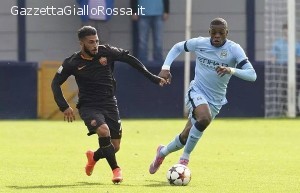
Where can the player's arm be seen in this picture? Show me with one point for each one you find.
(60, 77)
(135, 63)
(245, 70)
(176, 50)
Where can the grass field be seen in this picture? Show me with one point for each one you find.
(233, 156)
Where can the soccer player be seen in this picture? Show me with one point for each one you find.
(217, 59)
(93, 69)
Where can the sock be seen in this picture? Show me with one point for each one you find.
(192, 141)
(98, 154)
(108, 151)
(174, 145)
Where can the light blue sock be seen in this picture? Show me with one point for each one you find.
(174, 145)
(191, 142)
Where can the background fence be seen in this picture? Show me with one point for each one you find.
(26, 92)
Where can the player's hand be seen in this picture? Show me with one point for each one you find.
(222, 70)
(162, 82)
(165, 74)
(69, 115)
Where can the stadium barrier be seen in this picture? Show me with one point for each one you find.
(18, 90)
(25, 92)
(47, 108)
(139, 98)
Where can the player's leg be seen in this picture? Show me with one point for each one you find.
(96, 124)
(112, 119)
(90, 117)
(176, 144)
(202, 117)
(108, 151)
(202, 114)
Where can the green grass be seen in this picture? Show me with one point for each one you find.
(233, 156)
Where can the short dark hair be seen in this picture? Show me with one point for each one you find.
(219, 21)
(86, 31)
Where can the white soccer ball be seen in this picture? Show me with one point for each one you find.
(179, 175)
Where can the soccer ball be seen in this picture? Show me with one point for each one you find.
(179, 175)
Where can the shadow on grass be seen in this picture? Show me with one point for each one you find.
(156, 183)
(153, 183)
(77, 184)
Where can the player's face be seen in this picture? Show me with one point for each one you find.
(218, 34)
(89, 45)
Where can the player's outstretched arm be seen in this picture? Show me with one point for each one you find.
(175, 51)
(135, 63)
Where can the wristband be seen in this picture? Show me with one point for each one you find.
(232, 70)
(165, 67)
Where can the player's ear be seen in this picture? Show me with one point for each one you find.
(81, 43)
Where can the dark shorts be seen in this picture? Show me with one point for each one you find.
(94, 117)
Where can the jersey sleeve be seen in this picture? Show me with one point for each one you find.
(191, 45)
(119, 54)
(239, 53)
(247, 71)
(177, 49)
(62, 74)
(116, 53)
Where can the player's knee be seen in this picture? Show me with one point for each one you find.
(116, 144)
(183, 137)
(202, 124)
(103, 131)
(117, 148)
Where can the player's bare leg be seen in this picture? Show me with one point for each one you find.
(162, 151)
(203, 118)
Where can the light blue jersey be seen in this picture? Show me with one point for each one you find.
(280, 51)
(208, 57)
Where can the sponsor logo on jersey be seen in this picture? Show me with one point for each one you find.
(81, 67)
(210, 63)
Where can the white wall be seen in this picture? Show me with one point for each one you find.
(8, 32)
(55, 38)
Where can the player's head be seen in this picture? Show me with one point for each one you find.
(88, 40)
(218, 31)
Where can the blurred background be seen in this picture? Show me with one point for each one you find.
(32, 47)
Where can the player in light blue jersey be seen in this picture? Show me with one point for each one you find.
(217, 59)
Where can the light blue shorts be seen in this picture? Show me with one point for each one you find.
(195, 98)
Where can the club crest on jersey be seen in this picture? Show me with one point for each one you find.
(103, 61)
(223, 54)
